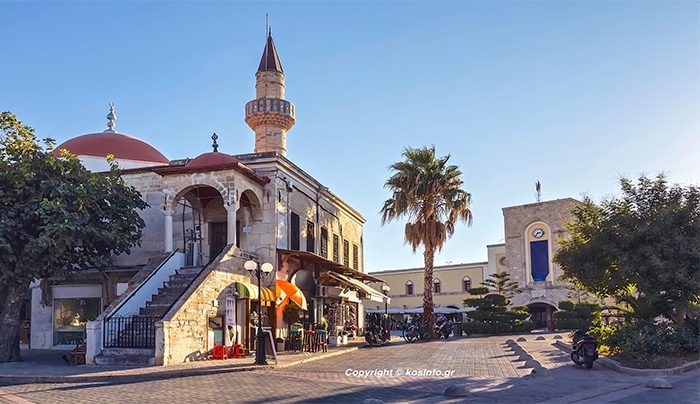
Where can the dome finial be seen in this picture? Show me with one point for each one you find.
(111, 117)
(215, 145)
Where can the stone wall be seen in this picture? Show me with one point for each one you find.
(182, 336)
(517, 220)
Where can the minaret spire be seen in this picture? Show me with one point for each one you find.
(270, 115)
(270, 60)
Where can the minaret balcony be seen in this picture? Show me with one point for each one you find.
(270, 105)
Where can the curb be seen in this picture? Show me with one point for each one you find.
(615, 365)
(167, 374)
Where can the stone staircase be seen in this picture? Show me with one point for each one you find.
(126, 357)
(157, 307)
(170, 292)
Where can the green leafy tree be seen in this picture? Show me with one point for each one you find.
(646, 242)
(502, 284)
(427, 191)
(57, 218)
(577, 292)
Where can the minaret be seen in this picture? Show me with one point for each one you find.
(270, 115)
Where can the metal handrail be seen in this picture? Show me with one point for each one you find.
(145, 281)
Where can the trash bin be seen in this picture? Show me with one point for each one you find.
(550, 325)
(458, 329)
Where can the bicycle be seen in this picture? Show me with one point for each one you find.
(413, 332)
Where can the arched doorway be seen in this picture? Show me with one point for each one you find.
(204, 224)
(542, 314)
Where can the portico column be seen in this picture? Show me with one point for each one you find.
(231, 220)
(168, 230)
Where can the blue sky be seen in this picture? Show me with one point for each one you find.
(571, 93)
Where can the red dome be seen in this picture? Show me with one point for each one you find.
(122, 146)
(213, 159)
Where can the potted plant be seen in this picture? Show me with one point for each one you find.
(290, 314)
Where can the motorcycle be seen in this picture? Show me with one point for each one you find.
(585, 348)
(443, 328)
(375, 332)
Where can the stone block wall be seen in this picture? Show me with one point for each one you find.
(182, 336)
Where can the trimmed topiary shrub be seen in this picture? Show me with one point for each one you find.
(525, 326)
(566, 305)
(577, 315)
(569, 324)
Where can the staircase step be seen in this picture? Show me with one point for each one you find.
(178, 283)
(160, 303)
(194, 271)
(162, 297)
(177, 291)
(129, 360)
(157, 311)
(182, 278)
(127, 357)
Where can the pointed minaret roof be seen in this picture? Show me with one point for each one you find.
(270, 60)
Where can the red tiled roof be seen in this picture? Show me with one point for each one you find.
(213, 159)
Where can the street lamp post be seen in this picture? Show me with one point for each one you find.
(385, 289)
(260, 271)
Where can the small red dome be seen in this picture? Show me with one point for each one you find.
(213, 159)
(122, 146)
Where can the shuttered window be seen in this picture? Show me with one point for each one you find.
(294, 235)
(324, 242)
(310, 237)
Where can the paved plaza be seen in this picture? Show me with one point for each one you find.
(398, 373)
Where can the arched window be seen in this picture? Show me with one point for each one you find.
(409, 287)
(436, 285)
(466, 283)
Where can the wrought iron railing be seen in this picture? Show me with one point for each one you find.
(130, 332)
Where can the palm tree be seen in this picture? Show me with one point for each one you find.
(427, 192)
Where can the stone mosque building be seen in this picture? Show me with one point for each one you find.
(186, 289)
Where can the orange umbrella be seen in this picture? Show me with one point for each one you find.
(289, 290)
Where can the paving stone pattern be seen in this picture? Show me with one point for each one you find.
(491, 371)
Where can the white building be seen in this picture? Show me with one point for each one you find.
(207, 216)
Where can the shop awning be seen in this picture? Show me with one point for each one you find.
(249, 291)
(370, 293)
(291, 291)
(308, 257)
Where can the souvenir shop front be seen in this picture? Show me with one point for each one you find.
(334, 292)
(242, 313)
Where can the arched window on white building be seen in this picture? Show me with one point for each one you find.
(409, 287)
(466, 283)
(436, 285)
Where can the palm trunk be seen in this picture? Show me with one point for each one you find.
(680, 317)
(11, 297)
(428, 315)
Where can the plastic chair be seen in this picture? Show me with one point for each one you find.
(219, 352)
(236, 351)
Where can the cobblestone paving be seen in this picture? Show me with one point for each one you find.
(484, 365)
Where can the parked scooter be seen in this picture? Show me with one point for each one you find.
(585, 348)
(443, 327)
